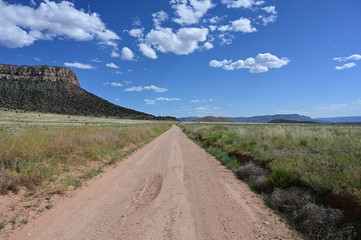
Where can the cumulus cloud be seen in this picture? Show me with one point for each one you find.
(154, 101)
(114, 54)
(114, 84)
(345, 66)
(261, 63)
(136, 32)
(147, 51)
(271, 18)
(190, 11)
(242, 3)
(208, 45)
(270, 9)
(182, 42)
(150, 88)
(159, 17)
(21, 25)
(111, 65)
(127, 54)
(78, 65)
(353, 57)
(241, 25)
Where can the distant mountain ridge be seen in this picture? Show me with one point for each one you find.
(213, 119)
(286, 117)
(56, 90)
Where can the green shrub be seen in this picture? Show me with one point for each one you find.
(282, 178)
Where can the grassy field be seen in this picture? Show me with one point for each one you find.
(296, 167)
(42, 155)
(323, 156)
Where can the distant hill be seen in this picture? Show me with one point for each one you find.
(212, 119)
(289, 121)
(187, 119)
(56, 90)
(355, 119)
(267, 118)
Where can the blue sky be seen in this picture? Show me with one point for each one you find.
(197, 57)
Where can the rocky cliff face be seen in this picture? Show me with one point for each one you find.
(48, 74)
(55, 90)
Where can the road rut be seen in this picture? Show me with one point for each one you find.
(169, 189)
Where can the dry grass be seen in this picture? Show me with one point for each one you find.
(35, 156)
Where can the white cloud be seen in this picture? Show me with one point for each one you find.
(353, 57)
(119, 72)
(270, 9)
(212, 27)
(345, 66)
(37, 59)
(159, 17)
(150, 101)
(136, 32)
(127, 54)
(117, 99)
(21, 25)
(269, 19)
(226, 38)
(262, 63)
(115, 54)
(208, 110)
(78, 65)
(242, 3)
(203, 100)
(242, 25)
(134, 89)
(114, 84)
(147, 51)
(154, 101)
(216, 63)
(208, 45)
(215, 20)
(96, 60)
(111, 65)
(140, 89)
(183, 42)
(167, 99)
(190, 11)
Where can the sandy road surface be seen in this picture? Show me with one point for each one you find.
(169, 189)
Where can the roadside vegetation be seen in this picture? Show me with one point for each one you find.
(297, 167)
(38, 162)
(48, 157)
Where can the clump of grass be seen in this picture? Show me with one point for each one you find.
(70, 180)
(224, 158)
(283, 178)
(2, 225)
(5, 181)
(92, 173)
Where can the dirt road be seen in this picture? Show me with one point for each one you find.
(169, 189)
